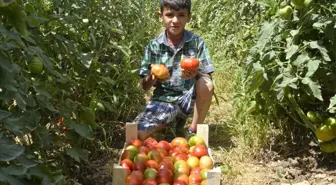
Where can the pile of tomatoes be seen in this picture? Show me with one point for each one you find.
(180, 162)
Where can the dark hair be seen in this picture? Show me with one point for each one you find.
(175, 4)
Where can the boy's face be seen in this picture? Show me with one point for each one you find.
(175, 21)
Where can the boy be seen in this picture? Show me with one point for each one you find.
(185, 92)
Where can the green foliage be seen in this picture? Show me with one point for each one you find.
(64, 66)
(291, 68)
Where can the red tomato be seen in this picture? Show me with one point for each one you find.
(126, 162)
(149, 182)
(180, 182)
(163, 152)
(152, 164)
(135, 178)
(181, 156)
(199, 151)
(195, 178)
(166, 164)
(135, 142)
(138, 165)
(180, 149)
(164, 175)
(150, 143)
(143, 149)
(179, 141)
(181, 177)
(163, 145)
(189, 64)
(196, 170)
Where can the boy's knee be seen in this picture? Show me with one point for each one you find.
(204, 86)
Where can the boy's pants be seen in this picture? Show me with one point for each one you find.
(159, 113)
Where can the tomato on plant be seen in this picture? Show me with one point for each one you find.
(286, 12)
(35, 66)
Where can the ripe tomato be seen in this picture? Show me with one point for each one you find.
(195, 179)
(152, 164)
(193, 162)
(164, 175)
(180, 182)
(199, 151)
(143, 158)
(135, 178)
(181, 156)
(181, 167)
(135, 142)
(166, 164)
(149, 182)
(196, 170)
(160, 71)
(138, 165)
(181, 177)
(205, 162)
(179, 141)
(143, 149)
(163, 145)
(150, 143)
(189, 64)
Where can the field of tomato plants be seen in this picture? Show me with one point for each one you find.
(69, 82)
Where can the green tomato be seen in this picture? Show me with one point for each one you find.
(286, 12)
(328, 147)
(4, 3)
(35, 66)
(314, 117)
(330, 121)
(307, 2)
(298, 4)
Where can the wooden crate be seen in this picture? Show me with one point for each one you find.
(119, 173)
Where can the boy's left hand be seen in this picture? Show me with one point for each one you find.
(187, 74)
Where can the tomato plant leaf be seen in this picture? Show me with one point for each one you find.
(10, 179)
(321, 48)
(332, 105)
(314, 87)
(9, 150)
(77, 153)
(301, 59)
(4, 114)
(291, 50)
(312, 66)
(83, 130)
(14, 170)
(20, 101)
(5, 63)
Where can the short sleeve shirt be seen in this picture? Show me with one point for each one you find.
(158, 51)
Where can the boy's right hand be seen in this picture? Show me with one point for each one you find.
(154, 78)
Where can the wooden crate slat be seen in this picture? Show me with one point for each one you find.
(119, 175)
(203, 131)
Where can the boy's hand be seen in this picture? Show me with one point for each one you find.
(188, 74)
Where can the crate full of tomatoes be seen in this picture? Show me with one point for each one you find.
(179, 162)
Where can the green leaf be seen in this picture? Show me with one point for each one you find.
(5, 63)
(87, 116)
(109, 80)
(4, 114)
(20, 101)
(257, 78)
(301, 59)
(332, 107)
(314, 87)
(312, 66)
(290, 51)
(77, 153)
(15, 170)
(321, 48)
(10, 179)
(9, 150)
(83, 130)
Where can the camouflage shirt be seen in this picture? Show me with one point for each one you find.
(158, 51)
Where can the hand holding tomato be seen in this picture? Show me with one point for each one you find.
(187, 74)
